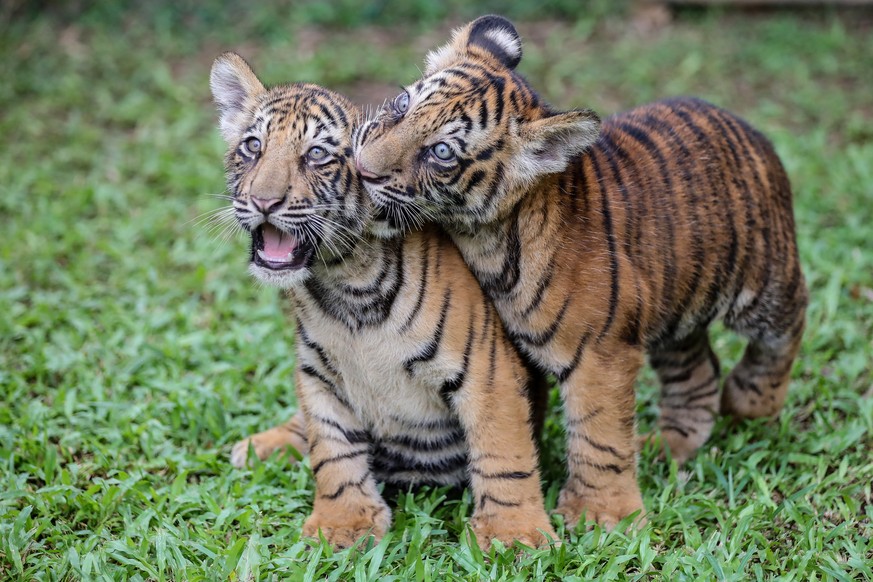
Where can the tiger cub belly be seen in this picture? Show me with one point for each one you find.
(415, 437)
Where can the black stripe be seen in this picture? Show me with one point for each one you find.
(331, 387)
(508, 475)
(319, 351)
(337, 458)
(651, 148)
(455, 383)
(610, 244)
(419, 444)
(430, 349)
(486, 497)
(738, 177)
(602, 467)
(601, 447)
(351, 436)
(678, 429)
(682, 359)
(475, 178)
(342, 488)
(585, 418)
(543, 284)
(567, 370)
(718, 282)
(682, 376)
(385, 460)
(693, 393)
(542, 338)
(745, 386)
(422, 288)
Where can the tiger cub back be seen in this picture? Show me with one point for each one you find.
(404, 373)
(601, 243)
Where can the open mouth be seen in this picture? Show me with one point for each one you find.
(386, 214)
(280, 251)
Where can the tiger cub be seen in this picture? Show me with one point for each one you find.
(404, 374)
(601, 243)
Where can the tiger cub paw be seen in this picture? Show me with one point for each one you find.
(606, 510)
(265, 444)
(343, 526)
(532, 529)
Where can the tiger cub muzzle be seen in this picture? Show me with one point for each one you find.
(277, 250)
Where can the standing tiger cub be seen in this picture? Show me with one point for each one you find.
(404, 373)
(599, 244)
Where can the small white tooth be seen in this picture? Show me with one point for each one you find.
(264, 256)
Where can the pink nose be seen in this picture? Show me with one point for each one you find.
(364, 171)
(267, 205)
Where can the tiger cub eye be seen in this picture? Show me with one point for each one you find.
(252, 145)
(316, 153)
(442, 151)
(401, 103)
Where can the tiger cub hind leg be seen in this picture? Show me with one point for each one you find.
(288, 437)
(759, 384)
(688, 370)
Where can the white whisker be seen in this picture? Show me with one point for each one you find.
(209, 215)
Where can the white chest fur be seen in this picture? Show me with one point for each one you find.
(375, 382)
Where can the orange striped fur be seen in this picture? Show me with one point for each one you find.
(601, 243)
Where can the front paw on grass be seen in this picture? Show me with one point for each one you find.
(607, 511)
(533, 535)
(341, 532)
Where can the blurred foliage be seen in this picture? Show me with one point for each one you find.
(259, 19)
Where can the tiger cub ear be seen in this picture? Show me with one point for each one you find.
(489, 36)
(547, 145)
(233, 85)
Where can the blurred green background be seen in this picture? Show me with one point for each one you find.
(135, 350)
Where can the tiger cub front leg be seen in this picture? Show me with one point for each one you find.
(504, 471)
(601, 437)
(347, 505)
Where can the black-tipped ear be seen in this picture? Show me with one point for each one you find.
(487, 37)
(498, 36)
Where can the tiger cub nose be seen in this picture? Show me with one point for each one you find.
(367, 175)
(267, 205)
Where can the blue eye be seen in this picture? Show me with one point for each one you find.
(401, 103)
(442, 151)
(316, 154)
(252, 145)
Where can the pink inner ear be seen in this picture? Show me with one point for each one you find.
(277, 244)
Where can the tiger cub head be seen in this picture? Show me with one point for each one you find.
(465, 142)
(290, 171)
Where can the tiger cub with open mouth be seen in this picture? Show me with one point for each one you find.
(404, 374)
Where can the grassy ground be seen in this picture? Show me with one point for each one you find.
(134, 349)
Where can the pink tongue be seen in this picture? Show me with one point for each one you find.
(277, 244)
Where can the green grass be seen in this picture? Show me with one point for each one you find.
(135, 350)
